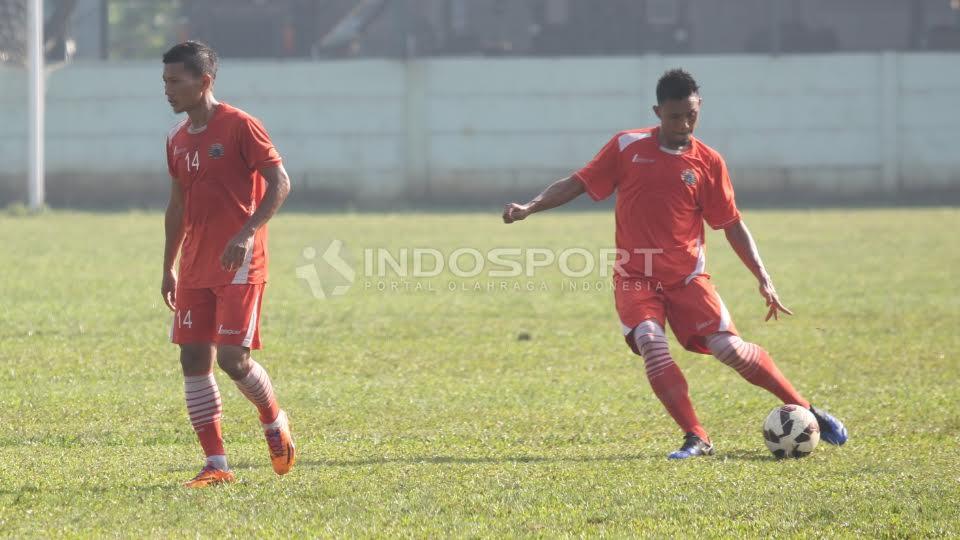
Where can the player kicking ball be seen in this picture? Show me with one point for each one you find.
(228, 181)
(667, 183)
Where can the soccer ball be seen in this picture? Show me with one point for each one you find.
(791, 431)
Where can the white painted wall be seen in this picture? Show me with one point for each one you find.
(381, 129)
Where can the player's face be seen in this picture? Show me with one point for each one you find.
(184, 90)
(678, 119)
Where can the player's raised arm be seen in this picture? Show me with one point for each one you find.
(173, 225)
(278, 187)
(743, 244)
(557, 194)
(598, 178)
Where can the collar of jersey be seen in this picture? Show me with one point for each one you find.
(671, 151)
(677, 152)
(193, 131)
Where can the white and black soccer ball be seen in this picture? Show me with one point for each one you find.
(791, 431)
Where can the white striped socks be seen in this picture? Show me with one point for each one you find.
(203, 399)
(652, 343)
(256, 386)
(733, 351)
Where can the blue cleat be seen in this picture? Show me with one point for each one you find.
(693, 446)
(832, 430)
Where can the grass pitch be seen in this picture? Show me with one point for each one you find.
(418, 411)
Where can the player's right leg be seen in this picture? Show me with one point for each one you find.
(670, 386)
(642, 312)
(193, 331)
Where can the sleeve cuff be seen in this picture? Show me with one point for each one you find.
(269, 162)
(727, 223)
(586, 187)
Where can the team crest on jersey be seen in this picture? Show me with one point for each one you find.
(215, 151)
(689, 177)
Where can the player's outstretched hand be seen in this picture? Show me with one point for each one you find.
(168, 289)
(515, 212)
(236, 251)
(769, 294)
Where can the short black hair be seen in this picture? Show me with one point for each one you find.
(676, 84)
(196, 56)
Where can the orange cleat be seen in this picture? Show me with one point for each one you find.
(210, 476)
(282, 452)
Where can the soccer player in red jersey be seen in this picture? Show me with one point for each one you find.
(228, 181)
(668, 183)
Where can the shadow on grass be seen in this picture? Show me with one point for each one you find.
(735, 455)
(17, 494)
(442, 460)
(427, 460)
(745, 455)
(242, 465)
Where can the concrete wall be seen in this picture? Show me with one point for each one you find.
(377, 131)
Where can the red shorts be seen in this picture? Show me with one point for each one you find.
(225, 315)
(694, 310)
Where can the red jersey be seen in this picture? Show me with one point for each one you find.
(663, 197)
(217, 170)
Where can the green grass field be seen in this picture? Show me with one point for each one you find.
(420, 414)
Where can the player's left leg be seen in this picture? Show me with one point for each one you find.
(754, 364)
(238, 307)
(254, 383)
(703, 324)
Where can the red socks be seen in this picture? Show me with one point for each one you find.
(205, 409)
(755, 365)
(768, 377)
(670, 386)
(665, 377)
(256, 386)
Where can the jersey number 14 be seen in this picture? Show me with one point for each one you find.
(193, 161)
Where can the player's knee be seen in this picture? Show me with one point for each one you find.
(722, 345)
(631, 340)
(235, 361)
(648, 332)
(196, 359)
(743, 356)
(651, 342)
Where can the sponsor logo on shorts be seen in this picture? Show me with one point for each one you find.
(701, 326)
(227, 332)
